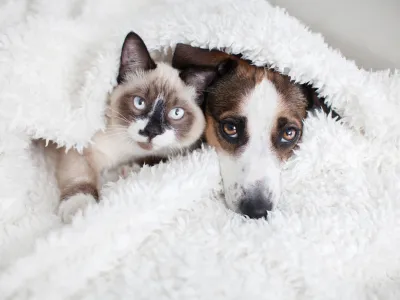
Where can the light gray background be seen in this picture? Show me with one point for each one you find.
(366, 31)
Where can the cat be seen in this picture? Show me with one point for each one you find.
(153, 111)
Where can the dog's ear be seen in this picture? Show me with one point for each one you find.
(187, 56)
(134, 56)
(203, 77)
(226, 66)
(202, 67)
(200, 78)
(315, 102)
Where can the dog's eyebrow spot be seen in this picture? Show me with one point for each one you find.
(227, 114)
(282, 121)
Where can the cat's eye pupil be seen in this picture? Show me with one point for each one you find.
(176, 113)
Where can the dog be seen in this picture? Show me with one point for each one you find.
(254, 119)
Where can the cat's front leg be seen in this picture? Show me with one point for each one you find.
(78, 186)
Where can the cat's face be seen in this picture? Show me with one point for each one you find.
(156, 106)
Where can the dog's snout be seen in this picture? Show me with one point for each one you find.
(255, 207)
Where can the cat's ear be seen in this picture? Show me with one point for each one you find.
(134, 56)
(200, 79)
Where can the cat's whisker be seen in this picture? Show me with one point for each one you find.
(119, 115)
(117, 129)
(122, 119)
(113, 135)
(116, 126)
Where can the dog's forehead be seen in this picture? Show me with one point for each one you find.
(260, 107)
(238, 89)
(232, 89)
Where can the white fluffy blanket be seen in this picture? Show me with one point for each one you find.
(165, 233)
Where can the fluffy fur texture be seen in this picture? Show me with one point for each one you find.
(165, 232)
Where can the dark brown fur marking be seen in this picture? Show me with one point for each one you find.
(84, 188)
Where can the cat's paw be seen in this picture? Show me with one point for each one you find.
(111, 175)
(122, 171)
(125, 170)
(73, 205)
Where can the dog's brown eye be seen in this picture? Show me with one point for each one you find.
(289, 134)
(230, 129)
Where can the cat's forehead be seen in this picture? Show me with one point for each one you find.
(161, 83)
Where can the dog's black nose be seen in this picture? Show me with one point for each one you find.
(255, 208)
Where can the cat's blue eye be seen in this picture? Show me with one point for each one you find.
(139, 103)
(176, 113)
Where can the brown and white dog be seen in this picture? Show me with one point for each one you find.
(254, 120)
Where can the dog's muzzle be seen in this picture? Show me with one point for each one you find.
(251, 183)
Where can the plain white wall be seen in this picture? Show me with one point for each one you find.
(366, 31)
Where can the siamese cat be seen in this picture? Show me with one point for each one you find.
(153, 111)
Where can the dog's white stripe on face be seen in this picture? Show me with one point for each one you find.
(256, 166)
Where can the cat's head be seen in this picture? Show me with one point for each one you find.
(155, 105)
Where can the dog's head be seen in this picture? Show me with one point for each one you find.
(254, 121)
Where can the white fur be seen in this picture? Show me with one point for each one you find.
(135, 127)
(166, 139)
(76, 204)
(256, 163)
(165, 232)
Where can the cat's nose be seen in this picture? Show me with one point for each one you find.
(151, 131)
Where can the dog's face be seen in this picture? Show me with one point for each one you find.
(254, 120)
